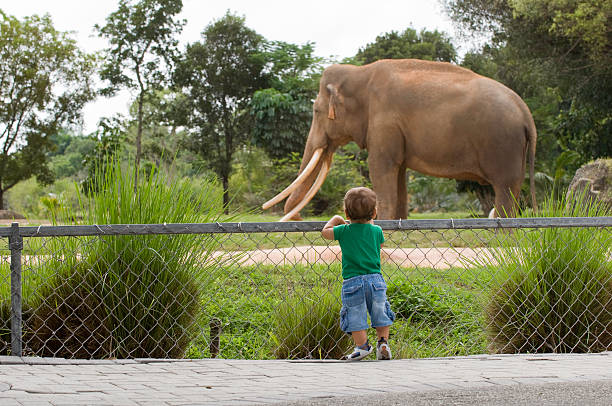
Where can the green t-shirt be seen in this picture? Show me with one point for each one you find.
(360, 244)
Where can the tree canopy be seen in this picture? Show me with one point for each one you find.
(45, 80)
(428, 45)
(282, 113)
(218, 76)
(143, 47)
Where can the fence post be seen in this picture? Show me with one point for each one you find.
(16, 247)
(215, 335)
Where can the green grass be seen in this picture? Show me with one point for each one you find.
(252, 301)
(257, 306)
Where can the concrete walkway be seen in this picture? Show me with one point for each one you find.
(53, 381)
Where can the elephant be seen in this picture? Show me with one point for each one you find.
(432, 117)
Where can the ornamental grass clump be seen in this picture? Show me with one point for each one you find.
(307, 326)
(554, 286)
(127, 296)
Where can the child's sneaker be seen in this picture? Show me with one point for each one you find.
(359, 354)
(383, 352)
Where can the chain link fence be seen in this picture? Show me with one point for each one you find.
(272, 290)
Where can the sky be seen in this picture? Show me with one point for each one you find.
(338, 28)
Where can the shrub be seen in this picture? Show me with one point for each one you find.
(554, 292)
(307, 325)
(126, 296)
(417, 302)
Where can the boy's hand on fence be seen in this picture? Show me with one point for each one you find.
(328, 229)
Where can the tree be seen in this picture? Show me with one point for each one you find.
(283, 112)
(45, 80)
(218, 77)
(427, 45)
(142, 52)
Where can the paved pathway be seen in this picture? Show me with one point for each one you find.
(47, 381)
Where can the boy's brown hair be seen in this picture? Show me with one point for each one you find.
(360, 203)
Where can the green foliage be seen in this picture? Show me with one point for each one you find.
(306, 326)
(281, 122)
(147, 290)
(585, 129)
(26, 197)
(554, 286)
(283, 112)
(45, 80)
(586, 21)
(437, 315)
(51, 205)
(66, 160)
(420, 301)
(142, 38)
(427, 45)
(252, 179)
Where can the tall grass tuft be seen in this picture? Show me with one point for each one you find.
(135, 296)
(554, 286)
(307, 326)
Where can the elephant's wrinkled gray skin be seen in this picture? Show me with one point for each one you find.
(432, 117)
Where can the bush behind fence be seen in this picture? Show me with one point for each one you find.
(272, 290)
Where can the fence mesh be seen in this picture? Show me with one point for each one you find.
(276, 294)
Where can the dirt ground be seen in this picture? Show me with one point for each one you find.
(437, 258)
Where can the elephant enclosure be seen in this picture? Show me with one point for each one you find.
(271, 290)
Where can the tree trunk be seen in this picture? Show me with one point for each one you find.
(225, 194)
(1, 199)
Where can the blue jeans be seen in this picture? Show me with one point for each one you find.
(361, 295)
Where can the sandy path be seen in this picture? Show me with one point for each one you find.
(437, 258)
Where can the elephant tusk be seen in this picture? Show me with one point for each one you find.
(313, 190)
(289, 189)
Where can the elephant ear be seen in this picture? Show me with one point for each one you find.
(333, 95)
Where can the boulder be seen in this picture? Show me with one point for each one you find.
(595, 179)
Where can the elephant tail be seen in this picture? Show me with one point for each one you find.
(532, 136)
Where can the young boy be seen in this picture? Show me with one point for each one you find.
(364, 289)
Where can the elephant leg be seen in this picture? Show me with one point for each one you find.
(402, 194)
(385, 183)
(506, 199)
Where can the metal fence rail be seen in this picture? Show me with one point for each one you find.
(271, 290)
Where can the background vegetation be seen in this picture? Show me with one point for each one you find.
(236, 108)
